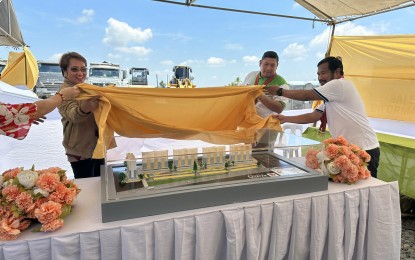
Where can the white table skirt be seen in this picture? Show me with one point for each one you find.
(360, 221)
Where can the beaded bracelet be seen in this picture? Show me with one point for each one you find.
(60, 94)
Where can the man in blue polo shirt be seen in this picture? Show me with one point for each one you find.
(266, 105)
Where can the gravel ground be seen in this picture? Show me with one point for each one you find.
(408, 237)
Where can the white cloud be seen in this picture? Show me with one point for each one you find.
(216, 62)
(346, 29)
(320, 55)
(121, 34)
(295, 51)
(114, 55)
(167, 62)
(136, 51)
(176, 36)
(191, 62)
(234, 47)
(55, 57)
(250, 59)
(87, 15)
(296, 5)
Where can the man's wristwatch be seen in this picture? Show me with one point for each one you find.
(279, 92)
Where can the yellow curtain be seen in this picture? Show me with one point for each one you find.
(21, 69)
(216, 115)
(383, 70)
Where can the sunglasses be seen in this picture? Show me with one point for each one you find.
(76, 69)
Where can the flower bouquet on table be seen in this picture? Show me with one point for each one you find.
(341, 161)
(27, 196)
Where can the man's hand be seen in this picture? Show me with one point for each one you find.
(272, 90)
(281, 118)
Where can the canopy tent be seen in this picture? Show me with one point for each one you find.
(21, 69)
(10, 34)
(328, 11)
(337, 11)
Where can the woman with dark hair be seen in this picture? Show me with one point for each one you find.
(80, 132)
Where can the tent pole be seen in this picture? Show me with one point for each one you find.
(331, 40)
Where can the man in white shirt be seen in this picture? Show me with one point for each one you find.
(346, 114)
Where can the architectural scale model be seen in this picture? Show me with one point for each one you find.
(156, 168)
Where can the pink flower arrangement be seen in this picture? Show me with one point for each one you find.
(45, 196)
(341, 161)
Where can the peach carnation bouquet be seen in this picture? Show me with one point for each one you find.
(341, 161)
(45, 196)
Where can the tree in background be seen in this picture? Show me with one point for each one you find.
(236, 82)
(161, 84)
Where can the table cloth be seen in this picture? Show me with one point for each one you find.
(359, 221)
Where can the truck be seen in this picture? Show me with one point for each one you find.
(181, 78)
(106, 73)
(139, 76)
(2, 65)
(50, 79)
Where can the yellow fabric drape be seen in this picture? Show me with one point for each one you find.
(383, 70)
(209, 114)
(21, 69)
(316, 103)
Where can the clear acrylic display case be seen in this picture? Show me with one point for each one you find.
(156, 175)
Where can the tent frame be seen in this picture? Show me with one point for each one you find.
(329, 20)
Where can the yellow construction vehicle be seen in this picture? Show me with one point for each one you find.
(181, 78)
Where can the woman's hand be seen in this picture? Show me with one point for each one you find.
(90, 104)
(69, 93)
(39, 120)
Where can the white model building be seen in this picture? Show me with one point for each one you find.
(240, 152)
(131, 166)
(214, 155)
(184, 157)
(155, 160)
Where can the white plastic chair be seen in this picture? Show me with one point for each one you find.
(294, 129)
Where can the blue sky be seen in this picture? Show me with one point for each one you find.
(218, 45)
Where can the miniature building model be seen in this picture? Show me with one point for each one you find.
(184, 157)
(131, 166)
(155, 160)
(240, 152)
(214, 155)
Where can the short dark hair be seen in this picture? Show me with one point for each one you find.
(334, 63)
(270, 54)
(64, 61)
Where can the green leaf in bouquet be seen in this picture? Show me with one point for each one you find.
(37, 229)
(16, 211)
(61, 173)
(16, 182)
(66, 210)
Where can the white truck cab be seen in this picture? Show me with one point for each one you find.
(106, 73)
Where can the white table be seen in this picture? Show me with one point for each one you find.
(360, 221)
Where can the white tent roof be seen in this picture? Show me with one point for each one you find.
(341, 10)
(10, 34)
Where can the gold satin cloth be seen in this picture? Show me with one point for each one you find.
(220, 115)
(382, 68)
